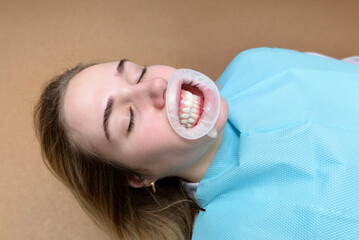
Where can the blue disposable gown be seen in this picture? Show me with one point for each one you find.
(288, 164)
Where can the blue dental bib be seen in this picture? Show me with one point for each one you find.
(288, 164)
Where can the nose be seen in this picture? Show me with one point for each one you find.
(152, 91)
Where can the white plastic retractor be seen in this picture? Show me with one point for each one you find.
(211, 103)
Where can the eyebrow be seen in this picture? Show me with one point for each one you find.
(108, 109)
(106, 117)
(121, 66)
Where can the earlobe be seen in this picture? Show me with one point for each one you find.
(137, 182)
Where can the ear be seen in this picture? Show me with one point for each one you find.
(136, 182)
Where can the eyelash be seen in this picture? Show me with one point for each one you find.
(144, 69)
(131, 124)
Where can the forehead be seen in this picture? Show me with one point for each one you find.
(85, 99)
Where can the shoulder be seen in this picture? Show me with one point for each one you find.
(254, 65)
(265, 60)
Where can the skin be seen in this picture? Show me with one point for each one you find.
(152, 147)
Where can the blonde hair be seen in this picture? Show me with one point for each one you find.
(101, 186)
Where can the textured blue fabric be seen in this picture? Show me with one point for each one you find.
(288, 164)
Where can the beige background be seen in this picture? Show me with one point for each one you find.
(41, 38)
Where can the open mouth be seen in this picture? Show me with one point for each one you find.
(190, 105)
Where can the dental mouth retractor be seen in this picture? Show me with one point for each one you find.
(192, 104)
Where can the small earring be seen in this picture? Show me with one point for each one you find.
(153, 187)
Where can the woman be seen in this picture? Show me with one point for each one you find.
(105, 134)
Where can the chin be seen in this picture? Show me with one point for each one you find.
(223, 116)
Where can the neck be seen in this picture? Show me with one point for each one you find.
(196, 172)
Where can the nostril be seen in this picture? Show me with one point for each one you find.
(164, 94)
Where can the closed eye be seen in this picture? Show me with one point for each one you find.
(144, 69)
(132, 117)
(132, 122)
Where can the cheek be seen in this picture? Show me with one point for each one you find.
(152, 136)
(158, 139)
(156, 129)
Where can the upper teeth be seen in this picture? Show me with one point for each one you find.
(190, 109)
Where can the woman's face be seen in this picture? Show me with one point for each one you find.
(118, 109)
